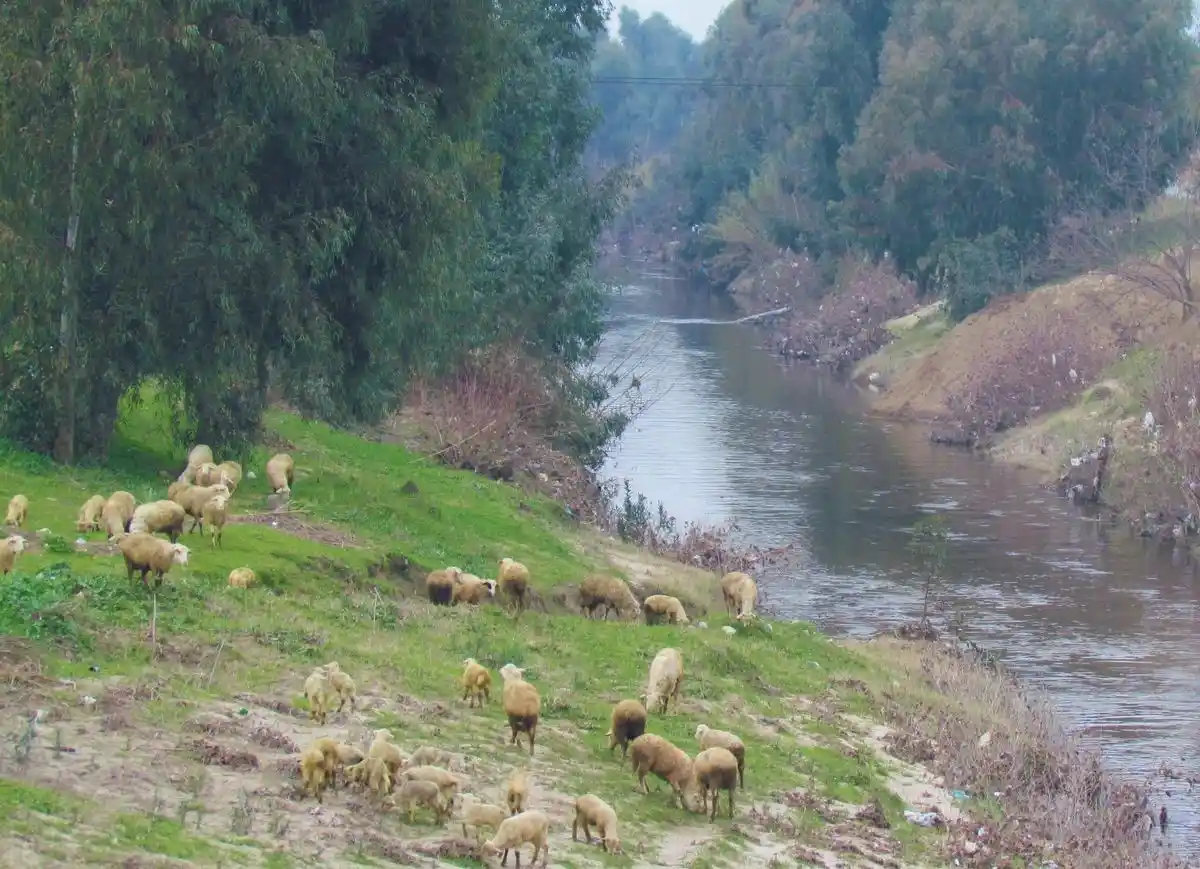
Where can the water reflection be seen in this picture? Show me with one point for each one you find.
(1105, 622)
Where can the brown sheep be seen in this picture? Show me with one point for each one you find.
(117, 513)
(709, 738)
(477, 683)
(89, 514)
(716, 770)
(662, 607)
(470, 589)
(439, 585)
(514, 582)
(383, 748)
(608, 592)
(241, 577)
(193, 499)
(158, 517)
(313, 771)
(18, 511)
(418, 792)
(522, 704)
(651, 753)
(516, 791)
(528, 828)
(479, 815)
(147, 553)
(628, 723)
(593, 811)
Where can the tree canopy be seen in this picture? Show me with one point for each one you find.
(230, 195)
(950, 135)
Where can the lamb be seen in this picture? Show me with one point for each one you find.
(528, 828)
(343, 684)
(469, 588)
(663, 607)
(446, 781)
(146, 553)
(628, 723)
(18, 511)
(476, 682)
(383, 748)
(479, 814)
(716, 770)
(709, 738)
(516, 791)
(439, 585)
(514, 581)
(10, 548)
(194, 498)
(280, 473)
(522, 704)
(320, 694)
(89, 514)
(241, 577)
(117, 513)
(608, 592)
(591, 810)
(158, 517)
(372, 772)
(651, 753)
(666, 677)
(741, 594)
(313, 771)
(213, 515)
(416, 792)
(429, 756)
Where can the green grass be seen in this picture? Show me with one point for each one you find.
(319, 602)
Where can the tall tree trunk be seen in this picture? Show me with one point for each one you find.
(68, 324)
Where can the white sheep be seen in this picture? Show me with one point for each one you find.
(740, 592)
(117, 513)
(213, 515)
(18, 511)
(479, 815)
(10, 548)
(241, 577)
(663, 607)
(666, 677)
(709, 738)
(89, 514)
(528, 828)
(158, 517)
(281, 470)
(590, 810)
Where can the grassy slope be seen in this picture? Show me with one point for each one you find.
(224, 680)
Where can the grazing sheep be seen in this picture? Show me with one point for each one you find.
(10, 548)
(208, 474)
(716, 770)
(194, 498)
(117, 513)
(427, 755)
(214, 514)
(319, 694)
(741, 594)
(439, 585)
(651, 753)
(199, 454)
(337, 755)
(280, 472)
(146, 553)
(241, 577)
(89, 514)
(516, 791)
(666, 677)
(476, 682)
(662, 607)
(231, 474)
(478, 814)
(514, 581)
(522, 704)
(628, 723)
(709, 738)
(608, 592)
(18, 511)
(313, 771)
(593, 811)
(418, 792)
(383, 748)
(528, 828)
(469, 588)
(158, 517)
(343, 684)
(372, 772)
(446, 781)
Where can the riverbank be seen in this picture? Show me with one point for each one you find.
(184, 753)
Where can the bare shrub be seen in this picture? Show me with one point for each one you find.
(999, 738)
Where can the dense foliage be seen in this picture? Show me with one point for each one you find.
(949, 134)
(323, 198)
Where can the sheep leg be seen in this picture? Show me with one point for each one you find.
(531, 733)
(504, 859)
(730, 796)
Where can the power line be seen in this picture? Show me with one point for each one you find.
(686, 82)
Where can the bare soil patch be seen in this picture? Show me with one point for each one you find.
(295, 524)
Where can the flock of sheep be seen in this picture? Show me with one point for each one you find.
(202, 493)
(424, 779)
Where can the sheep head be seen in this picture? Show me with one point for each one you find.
(511, 671)
(179, 553)
(612, 844)
(467, 662)
(701, 729)
(491, 586)
(333, 667)
(16, 543)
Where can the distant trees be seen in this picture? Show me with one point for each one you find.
(950, 134)
(233, 194)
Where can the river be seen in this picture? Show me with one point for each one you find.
(1106, 623)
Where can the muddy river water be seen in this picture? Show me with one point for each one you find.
(1106, 623)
